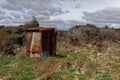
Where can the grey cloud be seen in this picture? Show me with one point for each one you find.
(16, 14)
(107, 16)
(36, 5)
(5, 17)
(66, 11)
(42, 18)
(22, 10)
(2, 12)
(78, 6)
(60, 24)
(7, 21)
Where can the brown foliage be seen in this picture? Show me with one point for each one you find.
(5, 43)
(14, 36)
(82, 35)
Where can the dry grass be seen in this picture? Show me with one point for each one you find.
(87, 64)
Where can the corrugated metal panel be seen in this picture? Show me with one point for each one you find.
(35, 44)
(28, 44)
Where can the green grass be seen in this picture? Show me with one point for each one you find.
(5, 65)
(6, 60)
(22, 71)
(25, 73)
(62, 55)
(69, 66)
(68, 74)
(105, 76)
(82, 77)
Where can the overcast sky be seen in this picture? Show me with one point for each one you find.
(61, 14)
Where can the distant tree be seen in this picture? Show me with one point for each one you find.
(106, 27)
(1, 26)
(33, 23)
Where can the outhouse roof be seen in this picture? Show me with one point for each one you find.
(40, 29)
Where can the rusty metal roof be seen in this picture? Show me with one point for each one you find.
(40, 29)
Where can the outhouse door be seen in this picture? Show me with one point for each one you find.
(36, 45)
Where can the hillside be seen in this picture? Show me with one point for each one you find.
(84, 52)
(81, 36)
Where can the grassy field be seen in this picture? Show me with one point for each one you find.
(84, 65)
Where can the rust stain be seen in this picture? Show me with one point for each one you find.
(28, 44)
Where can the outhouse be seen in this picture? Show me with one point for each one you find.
(40, 42)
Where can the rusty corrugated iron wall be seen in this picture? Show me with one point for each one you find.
(41, 42)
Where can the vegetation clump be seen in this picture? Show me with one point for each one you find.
(84, 52)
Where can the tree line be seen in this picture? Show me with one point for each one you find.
(12, 37)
